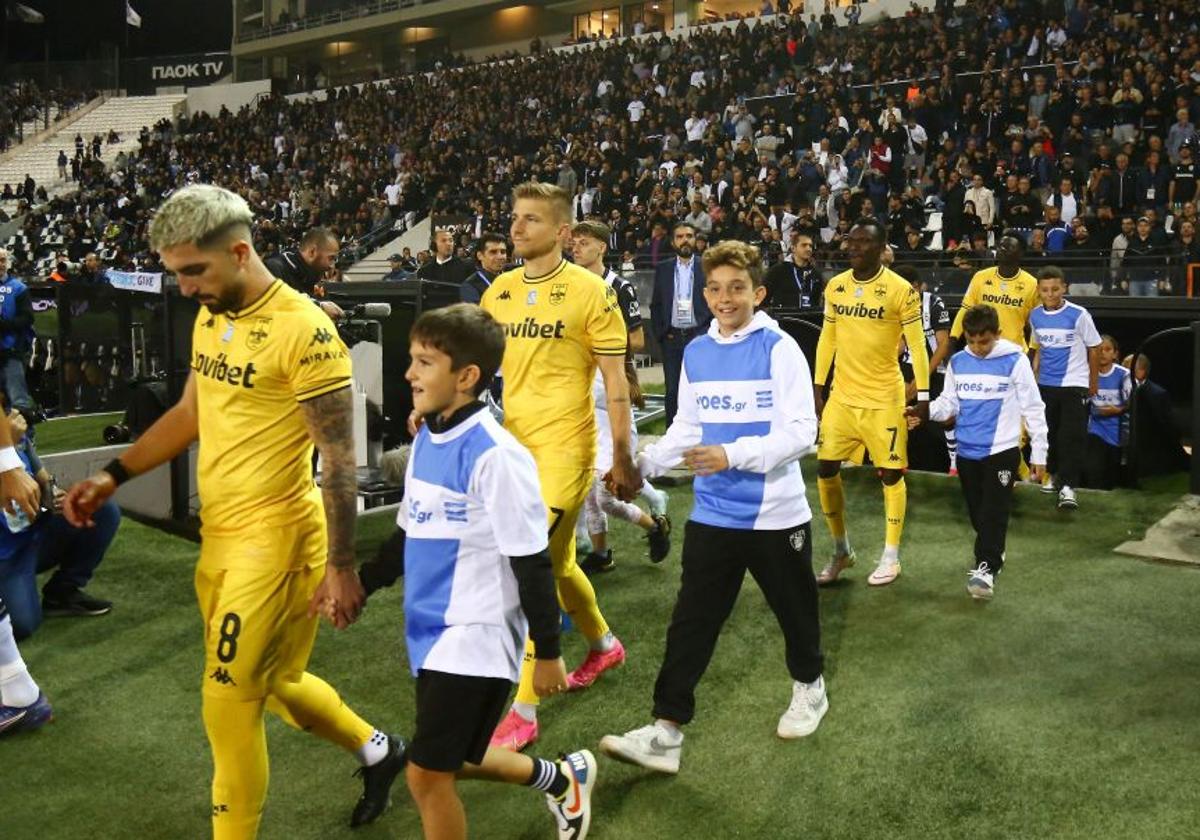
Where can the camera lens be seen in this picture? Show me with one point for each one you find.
(116, 433)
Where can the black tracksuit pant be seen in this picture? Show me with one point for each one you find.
(715, 561)
(1067, 416)
(987, 485)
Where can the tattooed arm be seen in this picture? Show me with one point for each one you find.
(330, 421)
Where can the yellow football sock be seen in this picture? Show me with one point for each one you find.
(312, 705)
(895, 500)
(525, 692)
(239, 750)
(833, 505)
(578, 598)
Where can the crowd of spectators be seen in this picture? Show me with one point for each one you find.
(1071, 122)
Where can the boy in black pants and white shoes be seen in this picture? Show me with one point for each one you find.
(745, 417)
(989, 389)
(478, 577)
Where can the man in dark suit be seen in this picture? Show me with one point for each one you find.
(677, 309)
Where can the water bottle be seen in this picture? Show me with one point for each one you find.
(17, 521)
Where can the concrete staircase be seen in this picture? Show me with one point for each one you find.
(126, 115)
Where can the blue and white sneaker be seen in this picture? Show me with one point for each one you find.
(574, 811)
(26, 718)
(981, 583)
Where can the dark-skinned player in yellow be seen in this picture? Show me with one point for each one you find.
(867, 309)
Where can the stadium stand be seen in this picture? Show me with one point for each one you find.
(775, 124)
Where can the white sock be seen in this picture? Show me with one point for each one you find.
(604, 643)
(17, 688)
(526, 710)
(892, 553)
(841, 545)
(374, 751)
(672, 732)
(816, 685)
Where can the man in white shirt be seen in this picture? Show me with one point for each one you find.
(983, 199)
(1064, 199)
(635, 108)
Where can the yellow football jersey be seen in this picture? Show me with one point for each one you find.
(863, 324)
(1012, 297)
(554, 327)
(253, 368)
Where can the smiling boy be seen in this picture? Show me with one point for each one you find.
(745, 417)
(478, 578)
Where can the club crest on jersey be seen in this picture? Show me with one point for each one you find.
(796, 538)
(558, 293)
(880, 292)
(1005, 477)
(531, 298)
(258, 333)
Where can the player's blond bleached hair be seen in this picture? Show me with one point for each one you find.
(737, 255)
(550, 194)
(202, 214)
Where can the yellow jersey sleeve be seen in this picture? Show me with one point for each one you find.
(605, 326)
(316, 358)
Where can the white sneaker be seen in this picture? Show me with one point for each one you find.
(886, 571)
(835, 567)
(650, 747)
(573, 812)
(809, 704)
(657, 499)
(981, 583)
(1047, 483)
(1066, 499)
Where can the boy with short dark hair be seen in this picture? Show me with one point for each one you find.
(478, 578)
(989, 389)
(745, 418)
(1066, 360)
(1106, 419)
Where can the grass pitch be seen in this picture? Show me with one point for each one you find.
(1066, 708)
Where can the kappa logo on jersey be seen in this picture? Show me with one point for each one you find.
(221, 676)
(532, 328)
(321, 336)
(258, 334)
(558, 293)
(219, 369)
(505, 295)
(220, 808)
(840, 289)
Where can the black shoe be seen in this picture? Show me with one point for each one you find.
(660, 538)
(377, 783)
(595, 563)
(74, 602)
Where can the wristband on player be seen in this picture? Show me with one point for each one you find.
(118, 472)
(10, 460)
(922, 396)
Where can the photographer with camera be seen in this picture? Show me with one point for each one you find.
(304, 268)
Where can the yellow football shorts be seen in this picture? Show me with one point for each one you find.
(256, 625)
(845, 430)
